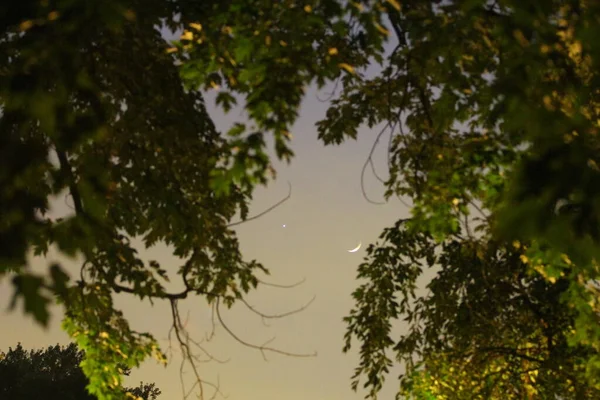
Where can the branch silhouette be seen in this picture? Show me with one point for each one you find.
(262, 348)
(268, 210)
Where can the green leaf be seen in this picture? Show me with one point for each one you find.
(29, 287)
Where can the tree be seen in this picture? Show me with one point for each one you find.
(496, 108)
(93, 108)
(493, 113)
(52, 373)
(495, 103)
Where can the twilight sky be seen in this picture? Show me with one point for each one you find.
(325, 216)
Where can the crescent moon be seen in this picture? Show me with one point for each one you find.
(354, 250)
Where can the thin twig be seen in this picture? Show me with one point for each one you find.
(277, 316)
(277, 285)
(184, 340)
(274, 206)
(369, 161)
(261, 348)
(210, 336)
(331, 94)
(475, 206)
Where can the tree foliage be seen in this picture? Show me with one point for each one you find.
(52, 373)
(496, 117)
(493, 119)
(93, 110)
(492, 114)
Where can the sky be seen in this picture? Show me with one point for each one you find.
(325, 216)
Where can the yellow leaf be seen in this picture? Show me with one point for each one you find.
(575, 48)
(480, 253)
(394, 4)
(104, 335)
(308, 8)
(268, 40)
(333, 51)
(358, 6)
(196, 26)
(53, 15)
(518, 34)
(282, 43)
(348, 68)
(171, 50)
(129, 15)
(382, 29)
(187, 35)
(455, 201)
(214, 85)
(26, 25)
(548, 103)
(566, 259)
(524, 259)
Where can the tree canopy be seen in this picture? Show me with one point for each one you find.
(54, 374)
(93, 108)
(492, 108)
(492, 114)
(492, 117)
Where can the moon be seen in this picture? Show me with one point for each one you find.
(354, 250)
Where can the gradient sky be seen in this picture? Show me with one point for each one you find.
(325, 216)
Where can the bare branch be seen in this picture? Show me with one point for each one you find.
(184, 340)
(66, 169)
(277, 316)
(213, 324)
(476, 207)
(277, 285)
(330, 94)
(262, 348)
(185, 350)
(268, 210)
(369, 162)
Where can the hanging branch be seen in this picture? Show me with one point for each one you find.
(274, 206)
(262, 348)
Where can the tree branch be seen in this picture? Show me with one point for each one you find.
(274, 206)
(65, 167)
(262, 348)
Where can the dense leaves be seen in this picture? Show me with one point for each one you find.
(52, 374)
(94, 114)
(493, 112)
(96, 111)
(487, 326)
(267, 53)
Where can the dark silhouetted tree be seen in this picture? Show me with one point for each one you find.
(53, 374)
